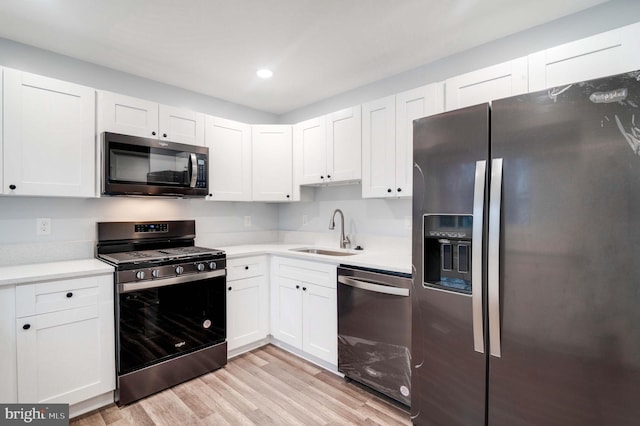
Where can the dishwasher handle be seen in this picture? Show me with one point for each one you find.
(364, 285)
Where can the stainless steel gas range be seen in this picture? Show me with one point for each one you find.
(170, 304)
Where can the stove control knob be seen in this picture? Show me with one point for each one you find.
(140, 275)
(179, 270)
(212, 265)
(155, 273)
(200, 267)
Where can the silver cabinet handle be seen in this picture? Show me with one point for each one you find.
(494, 257)
(194, 170)
(364, 285)
(476, 257)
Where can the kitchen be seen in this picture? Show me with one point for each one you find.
(376, 224)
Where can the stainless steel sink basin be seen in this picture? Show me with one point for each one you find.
(326, 252)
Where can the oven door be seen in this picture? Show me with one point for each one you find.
(141, 166)
(160, 323)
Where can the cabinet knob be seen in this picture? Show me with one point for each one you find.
(164, 135)
(12, 187)
(389, 190)
(230, 288)
(328, 176)
(288, 196)
(210, 195)
(304, 289)
(246, 267)
(26, 326)
(153, 133)
(399, 189)
(69, 294)
(321, 177)
(297, 286)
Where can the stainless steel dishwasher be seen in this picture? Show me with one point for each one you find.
(374, 330)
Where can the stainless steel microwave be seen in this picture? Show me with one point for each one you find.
(141, 166)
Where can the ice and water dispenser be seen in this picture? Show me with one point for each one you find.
(447, 252)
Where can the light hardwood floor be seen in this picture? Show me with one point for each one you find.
(267, 386)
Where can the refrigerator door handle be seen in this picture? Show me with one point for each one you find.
(495, 200)
(476, 253)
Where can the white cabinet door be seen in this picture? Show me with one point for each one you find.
(1, 132)
(65, 339)
(287, 311)
(378, 148)
(66, 356)
(612, 52)
(344, 145)
(180, 125)
(411, 105)
(247, 311)
(8, 366)
(310, 150)
(127, 115)
(320, 322)
(229, 145)
(484, 85)
(272, 163)
(49, 136)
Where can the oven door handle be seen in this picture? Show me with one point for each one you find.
(364, 285)
(144, 285)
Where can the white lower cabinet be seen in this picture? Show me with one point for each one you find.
(8, 387)
(65, 340)
(304, 306)
(247, 301)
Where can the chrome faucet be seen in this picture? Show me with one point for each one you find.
(344, 241)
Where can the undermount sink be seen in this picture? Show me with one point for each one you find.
(326, 252)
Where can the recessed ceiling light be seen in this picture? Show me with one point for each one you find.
(264, 73)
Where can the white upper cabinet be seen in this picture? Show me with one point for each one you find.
(484, 85)
(310, 150)
(328, 149)
(411, 105)
(344, 145)
(139, 117)
(612, 52)
(180, 125)
(272, 163)
(379, 148)
(127, 115)
(49, 136)
(387, 139)
(229, 144)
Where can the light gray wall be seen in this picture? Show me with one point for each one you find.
(607, 16)
(38, 61)
(73, 223)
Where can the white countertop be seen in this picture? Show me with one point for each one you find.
(24, 274)
(388, 260)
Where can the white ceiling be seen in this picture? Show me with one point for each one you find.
(317, 48)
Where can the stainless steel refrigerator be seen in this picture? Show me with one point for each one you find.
(526, 257)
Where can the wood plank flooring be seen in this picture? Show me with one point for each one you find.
(267, 386)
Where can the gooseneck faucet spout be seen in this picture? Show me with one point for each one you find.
(344, 241)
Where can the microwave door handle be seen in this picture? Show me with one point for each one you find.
(194, 170)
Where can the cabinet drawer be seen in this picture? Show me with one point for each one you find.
(245, 267)
(310, 272)
(53, 296)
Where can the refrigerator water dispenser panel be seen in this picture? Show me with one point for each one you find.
(447, 252)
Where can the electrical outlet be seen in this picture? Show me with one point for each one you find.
(247, 221)
(305, 219)
(407, 222)
(43, 226)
